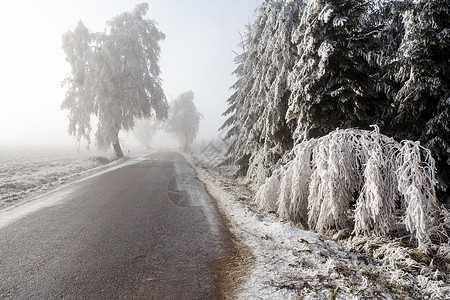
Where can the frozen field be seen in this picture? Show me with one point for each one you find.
(25, 173)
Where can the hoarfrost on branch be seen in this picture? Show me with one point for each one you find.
(381, 178)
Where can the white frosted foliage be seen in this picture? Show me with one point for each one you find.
(357, 179)
(416, 184)
(184, 119)
(115, 77)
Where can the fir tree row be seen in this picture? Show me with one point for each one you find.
(308, 68)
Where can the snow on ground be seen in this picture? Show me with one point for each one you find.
(57, 195)
(291, 263)
(28, 174)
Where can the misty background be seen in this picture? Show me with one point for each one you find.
(196, 55)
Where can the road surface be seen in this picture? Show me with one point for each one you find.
(144, 231)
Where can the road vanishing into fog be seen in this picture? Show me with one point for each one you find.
(144, 231)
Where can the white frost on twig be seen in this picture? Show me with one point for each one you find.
(360, 180)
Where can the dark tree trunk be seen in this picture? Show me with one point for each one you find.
(117, 149)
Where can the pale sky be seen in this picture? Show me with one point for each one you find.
(196, 55)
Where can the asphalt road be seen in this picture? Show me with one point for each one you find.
(144, 231)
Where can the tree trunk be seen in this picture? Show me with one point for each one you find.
(117, 149)
(186, 144)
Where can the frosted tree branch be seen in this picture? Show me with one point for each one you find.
(359, 180)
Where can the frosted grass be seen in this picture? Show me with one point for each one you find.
(24, 174)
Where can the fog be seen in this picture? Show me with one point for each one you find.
(196, 55)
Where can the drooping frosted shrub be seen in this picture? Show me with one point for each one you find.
(357, 179)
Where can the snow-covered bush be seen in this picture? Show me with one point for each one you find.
(360, 180)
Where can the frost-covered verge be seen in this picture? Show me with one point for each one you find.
(378, 194)
(292, 263)
(27, 174)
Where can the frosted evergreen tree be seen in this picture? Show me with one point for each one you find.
(235, 101)
(234, 109)
(240, 103)
(184, 119)
(422, 65)
(115, 77)
(388, 18)
(340, 64)
(332, 84)
(259, 103)
(277, 60)
(252, 139)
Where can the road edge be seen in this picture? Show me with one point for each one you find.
(235, 270)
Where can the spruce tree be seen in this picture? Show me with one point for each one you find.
(259, 104)
(332, 83)
(242, 107)
(422, 71)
